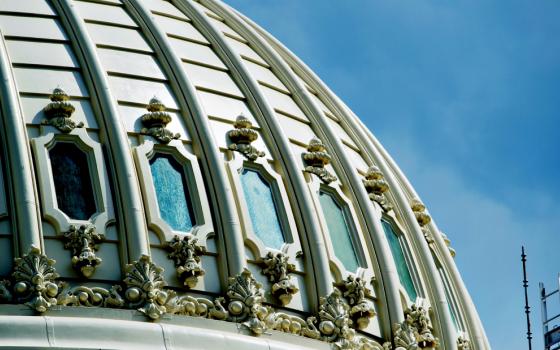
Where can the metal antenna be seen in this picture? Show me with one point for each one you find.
(525, 285)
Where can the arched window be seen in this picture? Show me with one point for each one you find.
(339, 229)
(400, 260)
(262, 208)
(72, 181)
(451, 302)
(172, 192)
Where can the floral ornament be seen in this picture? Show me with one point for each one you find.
(185, 252)
(277, 269)
(376, 186)
(242, 137)
(59, 112)
(245, 298)
(415, 331)
(83, 242)
(156, 120)
(316, 158)
(34, 279)
(423, 219)
(354, 290)
(144, 282)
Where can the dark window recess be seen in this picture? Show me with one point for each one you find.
(72, 181)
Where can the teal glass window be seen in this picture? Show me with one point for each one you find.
(172, 194)
(398, 256)
(338, 226)
(262, 208)
(72, 181)
(450, 303)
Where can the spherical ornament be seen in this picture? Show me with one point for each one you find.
(133, 294)
(83, 297)
(327, 327)
(52, 289)
(236, 307)
(20, 287)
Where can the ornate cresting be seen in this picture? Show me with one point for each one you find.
(59, 112)
(185, 252)
(355, 292)
(244, 302)
(242, 137)
(83, 242)
(448, 244)
(415, 331)
(144, 282)
(156, 120)
(34, 282)
(277, 268)
(316, 158)
(422, 218)
(376, 186)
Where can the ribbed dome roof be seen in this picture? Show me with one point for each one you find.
(180, 138)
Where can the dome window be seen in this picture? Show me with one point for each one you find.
(340, 232)
(397, 251)
(262, 207)
(172, 193)
(72, 181)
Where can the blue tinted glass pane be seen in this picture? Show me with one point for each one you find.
(171, 191)
(339, 231)
(400, 261)
(72, 182)
(262, 208)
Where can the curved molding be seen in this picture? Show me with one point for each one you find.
(195, 184)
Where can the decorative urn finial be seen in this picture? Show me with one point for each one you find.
(316, 158)
(59, 112)
(156, 120)
(242, 136)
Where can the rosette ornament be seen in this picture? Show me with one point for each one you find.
(376, 186)
(185, 252)
(316, 158)
(156, 120)
(59, 112)
(277, 268)
(242, 136)
(83, 242)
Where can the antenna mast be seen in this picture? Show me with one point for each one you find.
(525, 285)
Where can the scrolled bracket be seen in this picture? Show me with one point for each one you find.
(155, 122)
(316, 158)
(83, 243)
(185, 252)
(376, 186)
(242, 136)
(144, 287)
(354, 290)
(59, 112)
(277, 268)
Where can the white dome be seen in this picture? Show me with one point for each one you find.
(200, 187)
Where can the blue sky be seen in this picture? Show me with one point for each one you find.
(465, 95)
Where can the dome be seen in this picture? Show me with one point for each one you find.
(174, 177)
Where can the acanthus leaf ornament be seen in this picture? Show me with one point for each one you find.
(423, 219)
(244, 302)
(83, 242)
(376, 186)
(316, 158)
(185, 252)
(463, 343)
(415, 331)
(35, 280)
(242, 136)
(355, 292)
(59, 112)
(145, 283)
(156, 120)
(277, 268)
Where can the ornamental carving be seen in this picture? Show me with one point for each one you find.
(156, 120)
(376, 186)
(144, 287)
(244, 302)
(59, 112)
(423, 219)
(463, 343)
(242, 137)
(185, 252)
(33, 282)
(83, 243)
(94, 296)
(448, 244)
(354, 290)
(277, 268)
(316, 158)
(415, 331)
